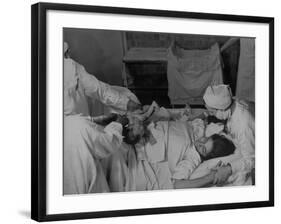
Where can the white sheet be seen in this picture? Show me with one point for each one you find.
(240, 178)
(172, 157)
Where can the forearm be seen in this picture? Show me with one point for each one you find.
(199, 116)
(195, 183)
(104, 119)
(111, 96)
(101, 91)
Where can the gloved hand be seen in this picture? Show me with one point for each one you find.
(222, 174)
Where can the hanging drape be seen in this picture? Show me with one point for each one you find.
(191, 73)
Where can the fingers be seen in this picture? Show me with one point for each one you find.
(219, 164)
(215, 180)
(221, 174)
(218, 181)
(221, 183)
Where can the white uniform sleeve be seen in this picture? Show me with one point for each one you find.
(115, 129)
(247, 162)
(187, 165)
(245, 142)
(100, 90)
(108, 141)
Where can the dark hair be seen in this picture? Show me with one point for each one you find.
(221, 147)
(213, 119)
(129, 137)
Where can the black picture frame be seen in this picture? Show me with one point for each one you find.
(39, 122)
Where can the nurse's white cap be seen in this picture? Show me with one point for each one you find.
(218, 97)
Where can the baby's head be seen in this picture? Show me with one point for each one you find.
(134, 131)
(214, 146)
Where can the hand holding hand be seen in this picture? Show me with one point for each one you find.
(222, 174)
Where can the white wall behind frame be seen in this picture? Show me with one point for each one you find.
(15, 110)
(56, 203)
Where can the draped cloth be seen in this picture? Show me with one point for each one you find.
(245, 88)
(85, 145)
(190, 74)
(172, 157)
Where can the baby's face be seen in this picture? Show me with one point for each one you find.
(136, 126)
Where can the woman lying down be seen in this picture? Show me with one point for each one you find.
(168, 152)
(160, 155)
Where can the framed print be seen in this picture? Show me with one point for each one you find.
(138, 111)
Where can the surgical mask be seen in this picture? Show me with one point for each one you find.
(223, 114)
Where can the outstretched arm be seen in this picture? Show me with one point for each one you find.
(195, 183)
(104, 92)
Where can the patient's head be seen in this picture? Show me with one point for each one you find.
(134, 131)
(214, 146)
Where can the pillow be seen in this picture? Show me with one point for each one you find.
(205, 167)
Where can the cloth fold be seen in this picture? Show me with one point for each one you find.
(190, 74)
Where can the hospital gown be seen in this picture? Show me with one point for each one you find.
(241, 127)
(85, 144)
(79, 84)
(173, 156)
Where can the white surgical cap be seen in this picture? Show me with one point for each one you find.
(65, 47)
(218, 97)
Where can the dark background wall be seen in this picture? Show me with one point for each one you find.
(230, 56)
(99, 51)
(151, 79)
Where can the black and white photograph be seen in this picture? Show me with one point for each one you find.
(146, 111)
(140, 111)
